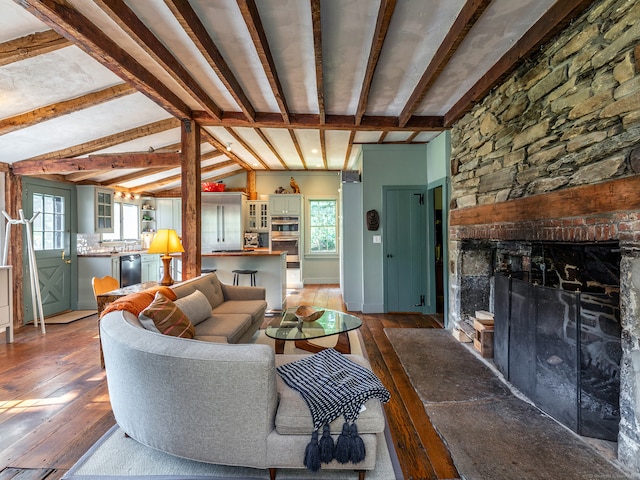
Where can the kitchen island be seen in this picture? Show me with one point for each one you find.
(271, 267)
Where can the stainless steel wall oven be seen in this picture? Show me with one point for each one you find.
(285, 237)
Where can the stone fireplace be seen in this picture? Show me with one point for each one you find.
(551, 157)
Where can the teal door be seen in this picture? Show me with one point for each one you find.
(404, 249)
(51, 233)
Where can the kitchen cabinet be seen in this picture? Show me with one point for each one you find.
(150, 267)
(169, 214)
(89, 267)
(95, 209)
(6, 302)
(257, 216)
(223, 221)
(285, 204)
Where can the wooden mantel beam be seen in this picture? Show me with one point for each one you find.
(97, 162)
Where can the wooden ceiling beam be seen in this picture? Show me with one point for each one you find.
(247, 147)
(132, 176)
(84, 175)
(30, 46)
(385, 12)
(464, 22)
(66, 107)
(256, 30)
(264, 138)
(108, 141)
(323, 149)
(176, 192)
(332, 122)
(126, 19)
(352, 137)
(550, 24)
(96, 162)
(198, 34)
(176, 178)
(317, 55)
(223, 148)
(296, 144)
(70, 23)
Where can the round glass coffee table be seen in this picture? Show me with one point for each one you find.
(288, 328)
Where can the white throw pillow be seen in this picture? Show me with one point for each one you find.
(195, 306)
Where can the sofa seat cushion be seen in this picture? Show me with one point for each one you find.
(293, 416)
(230, 326)
(254, 308)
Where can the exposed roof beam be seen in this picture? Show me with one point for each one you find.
(352, 137)
(247, 147)
(296, 144)
(383, 135)
(30, 46)
(67, 21)
(176, 192)
(385, 12)
(317, 53)
(59, 109)
(271, 147)
(332, 122)
(323, 149)
(176, 178)
(108, 141)
(96, 162)
(466, 19)
(175, 147)
(551, 23)
(220, 146)
(412, 137)
(201, 38)
(254, 24)
(126, 19)
(132, 176)
(84, 175)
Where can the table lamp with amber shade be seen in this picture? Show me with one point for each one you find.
(165, 242)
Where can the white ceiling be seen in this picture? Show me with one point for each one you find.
(416, 31)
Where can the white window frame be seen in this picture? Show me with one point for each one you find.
(307, 227)
(116, 236)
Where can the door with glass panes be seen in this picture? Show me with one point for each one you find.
(51, 232)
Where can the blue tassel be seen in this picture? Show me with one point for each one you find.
(342, 451)
(358, 450)
(326, 445)
(312, 454)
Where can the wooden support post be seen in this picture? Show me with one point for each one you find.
(251, 185)
(13, 203)
(191, 200)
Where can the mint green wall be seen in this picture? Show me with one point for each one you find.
(438, 153)
(384, 165)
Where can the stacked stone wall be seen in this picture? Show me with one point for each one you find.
(569, 116)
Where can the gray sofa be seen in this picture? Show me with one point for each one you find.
(215, 402)
(237, 311)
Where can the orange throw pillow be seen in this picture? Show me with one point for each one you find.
(165, 317)
(137, 302)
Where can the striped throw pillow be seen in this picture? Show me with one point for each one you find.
(163, 316)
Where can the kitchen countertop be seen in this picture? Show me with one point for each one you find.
(113, 254)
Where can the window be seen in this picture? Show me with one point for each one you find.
(323, 230)
(125, 222)
(48, 227)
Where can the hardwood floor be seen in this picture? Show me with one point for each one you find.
(54, 402)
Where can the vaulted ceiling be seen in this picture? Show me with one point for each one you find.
(94, 91)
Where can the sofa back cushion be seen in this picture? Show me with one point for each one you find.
(195, 306)
(163, 316)
(207, 284)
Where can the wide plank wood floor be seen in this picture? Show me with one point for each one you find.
(54, 402)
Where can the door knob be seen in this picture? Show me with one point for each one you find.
(67, 262)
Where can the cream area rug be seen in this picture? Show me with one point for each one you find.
(115, 456)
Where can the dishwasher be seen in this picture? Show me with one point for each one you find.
(130, 270)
